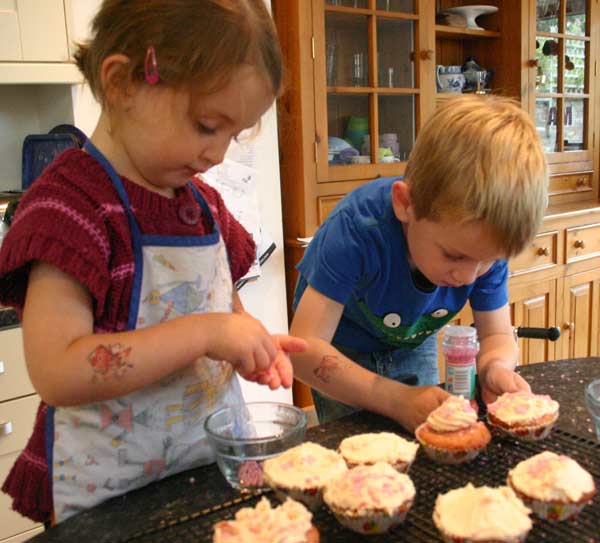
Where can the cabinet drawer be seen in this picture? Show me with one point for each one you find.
(582, 242)
(326, 205)
(14, 380)
(17, 417)
(541, 254)
(561, 184)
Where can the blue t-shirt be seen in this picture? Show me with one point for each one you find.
(359, 258)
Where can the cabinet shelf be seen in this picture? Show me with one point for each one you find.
(459, 33)
(36, 73)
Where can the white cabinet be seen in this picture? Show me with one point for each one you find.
(35, 31)
(18, 405)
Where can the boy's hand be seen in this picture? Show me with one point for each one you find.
(280, 372)
(416, 403)
(496, 379)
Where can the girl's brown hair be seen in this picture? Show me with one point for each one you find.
(197, 42)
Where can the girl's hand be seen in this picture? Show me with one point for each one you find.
(280, 372)
(496, 379)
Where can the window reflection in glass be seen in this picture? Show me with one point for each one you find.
(404, 6)
(346, 50)
(546, 53)
(348, 128)
(574, 124)
(546, 112)
(547, 12)
(575, 65)
(576, 17)
(395, 41)
(396, 127)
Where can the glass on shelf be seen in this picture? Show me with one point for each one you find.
(576, 17)
(396, 127)
(546, 111)
(395, 41)
(401, 6)
(574, 124)
(347, 50)
(575, 66)
(547, 15)
(348, 129)
(546, 53)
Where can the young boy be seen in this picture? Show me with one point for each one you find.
(397, 259)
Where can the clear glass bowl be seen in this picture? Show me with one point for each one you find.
(244, 436)
(592, 400)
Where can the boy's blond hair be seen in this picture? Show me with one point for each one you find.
(480, 159)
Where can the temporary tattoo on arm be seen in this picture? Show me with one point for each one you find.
(109, 361)
(329, 364)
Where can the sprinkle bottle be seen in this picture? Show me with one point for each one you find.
(460, 348)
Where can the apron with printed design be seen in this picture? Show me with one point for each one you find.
(105, 449)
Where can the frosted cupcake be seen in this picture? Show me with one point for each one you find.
(555, 486)
(368, 449)
(287, 522)
(524, 415)
(302, 471)
(481, 515)
(452, 434)
(370, 499)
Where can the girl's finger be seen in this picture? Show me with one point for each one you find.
(290, 344)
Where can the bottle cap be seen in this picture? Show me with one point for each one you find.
(454, 331)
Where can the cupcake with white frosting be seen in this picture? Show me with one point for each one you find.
(452, 434)
(302, 471)
(368, 449)
(370, 499)
(289, 522)
(524, 415)
(481, 515)
(555, 486)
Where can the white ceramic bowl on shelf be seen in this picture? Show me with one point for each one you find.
(470, 13)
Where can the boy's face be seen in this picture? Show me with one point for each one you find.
(448, 253)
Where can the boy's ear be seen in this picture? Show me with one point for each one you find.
(113, 77)
(401, 201)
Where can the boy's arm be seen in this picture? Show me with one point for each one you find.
(323, 367)
(498, 354)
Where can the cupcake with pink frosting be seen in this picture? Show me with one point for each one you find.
(554, 486)
(370, 499)
(452, 434)
(524, 415)
(302, 471)
(481, 515)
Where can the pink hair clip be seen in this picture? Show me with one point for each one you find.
(151, 66)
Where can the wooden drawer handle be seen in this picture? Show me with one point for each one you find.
(579, 244)
(5, 428)
(581, 182)
(543, 251)
(427, 54)
(533, 62)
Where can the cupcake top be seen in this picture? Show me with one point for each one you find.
(365, 488)
(286, 523)
(308, 465)
(482, 513)
(551, 477)
(380, 447)
(454, 414)
(522, 408)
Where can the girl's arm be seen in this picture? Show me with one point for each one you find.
(70, 365)
(323, 367)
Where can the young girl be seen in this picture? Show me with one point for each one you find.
(122, 268)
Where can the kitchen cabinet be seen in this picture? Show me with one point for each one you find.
(18, 406)
(361, 69)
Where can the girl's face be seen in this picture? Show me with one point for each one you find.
(166, 135)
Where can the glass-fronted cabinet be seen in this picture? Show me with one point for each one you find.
(563, 50)
(371, 89)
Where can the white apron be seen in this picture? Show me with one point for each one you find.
(108, 448)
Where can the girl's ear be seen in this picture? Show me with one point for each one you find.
(401, 201)
(114, 78)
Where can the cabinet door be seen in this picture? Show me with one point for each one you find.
(562, 76)
(10, 37)
(42, 30)
(581, 302)
(369, 85)
(534, 305)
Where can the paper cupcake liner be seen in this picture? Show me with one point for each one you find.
(312, 498)
(525, 433)
(453, 539)
(449, 456)
(374, 523)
